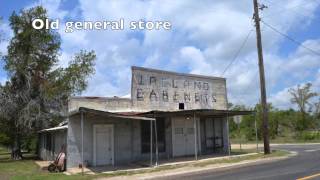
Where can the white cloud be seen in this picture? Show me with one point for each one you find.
(204, 39)
(53, 8)
(281, 99)
(5, 36)
(316, 83)
(3, 80)
(194, 59)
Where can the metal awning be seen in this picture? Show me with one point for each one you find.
(54, 129)
(109, 114)
(199, 112)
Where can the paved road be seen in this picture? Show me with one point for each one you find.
(305, 164)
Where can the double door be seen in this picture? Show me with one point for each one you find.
(183, 137)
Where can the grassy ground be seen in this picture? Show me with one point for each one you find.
(27, 169)
(278, 140)
(281, 140)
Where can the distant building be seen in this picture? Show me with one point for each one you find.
(170, 114)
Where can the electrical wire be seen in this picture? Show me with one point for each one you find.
(290, 38)
(292, 9)
(238, 52)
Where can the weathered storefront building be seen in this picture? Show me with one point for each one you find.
(168, 115)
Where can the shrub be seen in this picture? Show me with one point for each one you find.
(308, 135)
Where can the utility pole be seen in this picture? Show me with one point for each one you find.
(265, 123)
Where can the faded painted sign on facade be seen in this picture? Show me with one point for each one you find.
(162, 90)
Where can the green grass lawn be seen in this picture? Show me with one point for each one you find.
(27, 169)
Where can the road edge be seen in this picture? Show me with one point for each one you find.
(198, 169)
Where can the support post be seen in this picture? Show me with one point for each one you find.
(240, 138)
(228, 137)
(156, 137)
(256, 130)
(199, 136)
(265, 121)
(151, 143)
(227, 128)
(81, 114)
(195, 137)
(214, 135)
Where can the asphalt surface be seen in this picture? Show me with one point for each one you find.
(304, 164)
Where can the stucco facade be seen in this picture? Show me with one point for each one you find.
(153, 89)
(163, 90)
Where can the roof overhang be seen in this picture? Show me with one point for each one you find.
(54, 129)
(198, 112)
(151, 115)
(109, 114)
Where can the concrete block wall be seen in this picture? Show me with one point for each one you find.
(74, 142)
(58, 138)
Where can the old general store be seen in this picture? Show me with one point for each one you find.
(169, 115)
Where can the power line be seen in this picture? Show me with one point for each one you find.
(238, 52)
(292, 9)
(279, 66)
(290, 38)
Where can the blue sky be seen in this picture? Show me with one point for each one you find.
(204, 39)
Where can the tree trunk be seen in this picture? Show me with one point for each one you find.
(16, 149)
(304, 122)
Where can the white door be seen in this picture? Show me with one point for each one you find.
(189, 134)
(183, 137)
(179, 144)
(103, 145)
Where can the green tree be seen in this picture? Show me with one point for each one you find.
(37, 91)
(246, 126)
(301, 96)
(317, 110)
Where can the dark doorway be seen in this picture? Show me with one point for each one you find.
(145, 136)
(181, 105)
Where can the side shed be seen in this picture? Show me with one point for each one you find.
(51, 141)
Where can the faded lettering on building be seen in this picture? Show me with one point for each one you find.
(162, 90)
